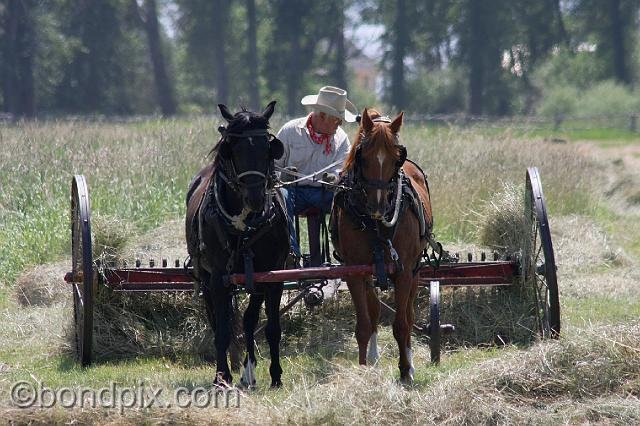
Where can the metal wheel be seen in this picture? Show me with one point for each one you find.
(434, 321)
(82, 269)
(538, 261)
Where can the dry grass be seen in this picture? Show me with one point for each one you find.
(588, 376)
(499, 221)
(43, 285)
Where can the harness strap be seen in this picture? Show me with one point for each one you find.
(247, 255)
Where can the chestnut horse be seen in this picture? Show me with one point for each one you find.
(236, 222)
(386, 210)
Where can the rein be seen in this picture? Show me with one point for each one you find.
(312, 176)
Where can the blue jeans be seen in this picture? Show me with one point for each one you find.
(299, 199)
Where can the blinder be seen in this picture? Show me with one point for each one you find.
(276, 150)
(361, 183)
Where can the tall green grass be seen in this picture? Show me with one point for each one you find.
(136, 172)
(139, 173)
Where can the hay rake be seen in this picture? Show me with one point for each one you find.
(534, 266)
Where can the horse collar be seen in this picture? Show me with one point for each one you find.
(239, 222)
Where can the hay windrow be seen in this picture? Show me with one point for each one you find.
(499, 222)
(43, 285)
(589, 375)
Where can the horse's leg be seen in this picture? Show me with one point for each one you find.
(411, 319)
(205, 277)
(249, 321)
(219, 299)
(273, 331)
(373, 305)
(401, 330)
(357, 289)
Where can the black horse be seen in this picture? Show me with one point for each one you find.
(236, 223)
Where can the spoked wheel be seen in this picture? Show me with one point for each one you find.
(82, 269)
(434, 321)
(538, 261)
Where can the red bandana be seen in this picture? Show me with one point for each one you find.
(319, 138)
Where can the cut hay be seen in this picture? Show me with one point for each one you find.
(590, 375)
(598, 368)
(146, 324)
(110, 234)
(43, 285)
(499, 222)
(143, 324)
(497, 315)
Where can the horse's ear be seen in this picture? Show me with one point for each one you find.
(276, 148)
(366, 123)
(268, 111)
(396, 123)
(226, 114)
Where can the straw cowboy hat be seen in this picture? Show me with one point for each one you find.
(333, 101)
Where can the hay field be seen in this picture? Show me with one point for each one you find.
(138, 174)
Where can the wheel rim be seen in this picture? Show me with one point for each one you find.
(434, 321)
(539, 268)
(82, 266)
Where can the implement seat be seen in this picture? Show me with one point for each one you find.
(318, 244)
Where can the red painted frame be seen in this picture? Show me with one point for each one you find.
(179, 279)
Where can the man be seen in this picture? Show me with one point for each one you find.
(315, 144)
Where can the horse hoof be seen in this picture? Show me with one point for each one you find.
(248, 379)
(222, 382)
(407, 380)
(276, 384)
(247, 386)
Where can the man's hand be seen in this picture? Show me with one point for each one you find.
(330, 177)
(287, 177)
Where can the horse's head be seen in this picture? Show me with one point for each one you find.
(376, 158)
(247, 151)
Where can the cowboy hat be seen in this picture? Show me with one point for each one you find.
(333, 101)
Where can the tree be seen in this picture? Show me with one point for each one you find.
(252, 55)
(148, 18)
(291, 53)
(339, 71)
(18, 59)
(96, 77)
(400, 44)
(613, 24)
(219, 42)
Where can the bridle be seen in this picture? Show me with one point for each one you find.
(361, 183)
(229, 172)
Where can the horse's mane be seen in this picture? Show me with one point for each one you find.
(242, 120)
(380, 134)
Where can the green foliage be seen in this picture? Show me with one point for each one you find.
(607, 103)
(608, 99)
(558, 101)
(436, 92)
(566, 67)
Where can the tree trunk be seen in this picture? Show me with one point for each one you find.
(252, 55)
(401, 39)
(292, 10)
(9, 57)
(19, 51)
(617, 43)
(476, 59)
(220, 21)
(164, 88)
(339, 69)
(562, 31)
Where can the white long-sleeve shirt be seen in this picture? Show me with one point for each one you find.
(302, 152)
